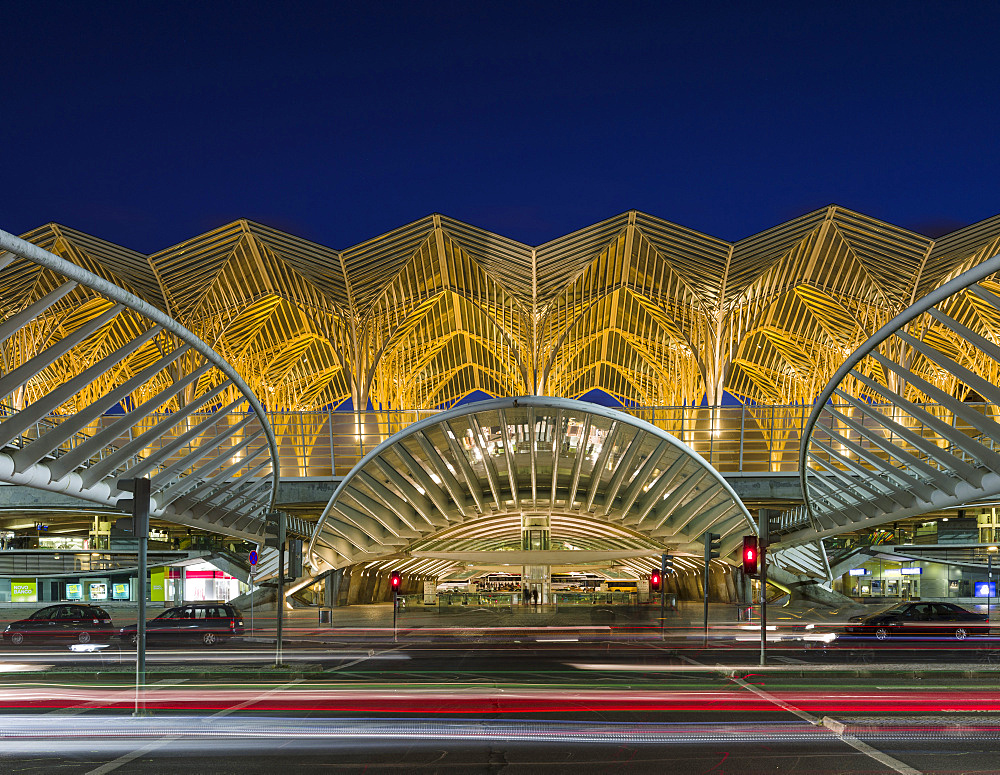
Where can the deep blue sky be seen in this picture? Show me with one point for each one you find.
(147, 123)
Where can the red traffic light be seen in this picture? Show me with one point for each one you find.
(654, 582)
(750, 556)
(395, 579)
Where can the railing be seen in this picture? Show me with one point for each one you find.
(42, 562)
(740, 439)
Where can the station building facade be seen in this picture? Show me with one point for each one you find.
(724, 345)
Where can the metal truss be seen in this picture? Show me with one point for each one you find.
(98, 384)
(649, 312)
(466, 476)
(911, 422)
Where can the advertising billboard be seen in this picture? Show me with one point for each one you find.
(23, 591)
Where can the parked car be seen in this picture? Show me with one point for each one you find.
(922, 620)
(66, 622)
(205, 622)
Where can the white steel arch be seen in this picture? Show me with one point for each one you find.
(450, 474)
(192, 425)
(909, 423)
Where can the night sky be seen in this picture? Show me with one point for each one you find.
(147, 123)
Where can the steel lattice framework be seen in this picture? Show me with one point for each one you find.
(436, 311)
(650, 312)
(98, 384)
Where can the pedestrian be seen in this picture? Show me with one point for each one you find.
(534, 597)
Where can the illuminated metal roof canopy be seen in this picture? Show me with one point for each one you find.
(78, 347)
(648, 311)
(454, 473)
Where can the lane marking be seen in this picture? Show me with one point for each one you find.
(837, 727)
(155, 744)
(253, 700)
(121, 761)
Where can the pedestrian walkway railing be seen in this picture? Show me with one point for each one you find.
(46, 562)
(740, 440)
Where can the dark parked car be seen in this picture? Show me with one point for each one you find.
(919, 620)
(206, 622)
(67, 622)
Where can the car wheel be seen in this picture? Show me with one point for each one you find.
(133, 639)
(961, 633)
(209, 639)
(17, 638)
(83, 637)
(881, 633)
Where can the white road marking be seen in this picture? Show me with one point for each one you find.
(837, 727)
(152, 746)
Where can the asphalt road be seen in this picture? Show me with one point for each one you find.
(547, 700)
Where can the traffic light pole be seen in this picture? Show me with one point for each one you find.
(763, 531)
(704, 585)
(138, 506)
(281, 602)
(140, 630)
(989, 588)
(711, 550)
(664, 558)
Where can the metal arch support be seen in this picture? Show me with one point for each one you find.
(82, 454)
(905, 458)
(363, 517)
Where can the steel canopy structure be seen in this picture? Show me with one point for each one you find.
(647, 311)
(438, 312)
(98, 385)
(924, 430)
(528, 459)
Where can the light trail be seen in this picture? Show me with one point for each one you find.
(22, 734)
(475, 699)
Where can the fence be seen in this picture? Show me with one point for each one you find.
(321, 444)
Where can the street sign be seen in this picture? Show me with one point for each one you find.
(253, 557)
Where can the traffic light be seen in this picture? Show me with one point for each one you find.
(294, 570)
(712, 546)
(666, 565)
(274, 529)
(137, 506)
(654, 581)
(395, 580)
(750, 555)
